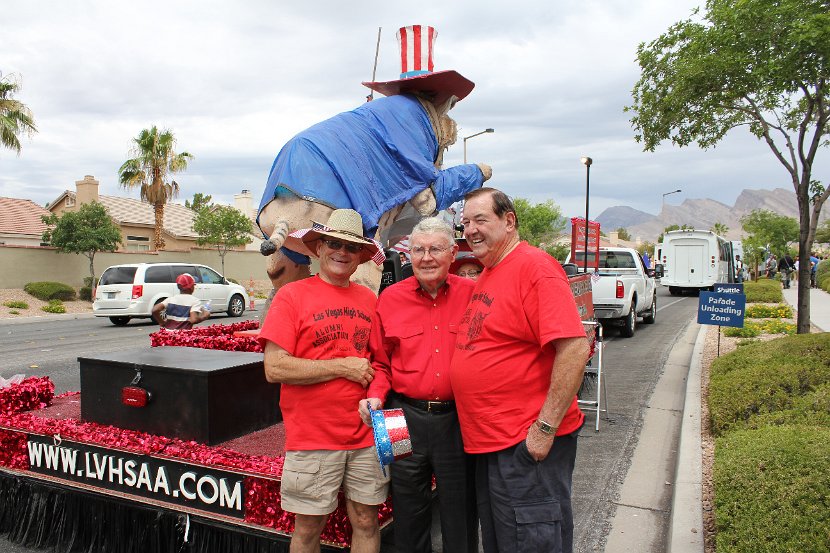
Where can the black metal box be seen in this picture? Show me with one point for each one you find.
(209, 396)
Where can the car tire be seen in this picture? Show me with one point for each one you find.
(649, 317)
(120, 321)
(630, 322)
(236, 306)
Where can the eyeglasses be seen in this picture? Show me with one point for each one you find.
(434, 251)
(337, 244)
(469, 274)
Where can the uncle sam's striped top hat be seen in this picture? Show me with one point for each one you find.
(417, 44)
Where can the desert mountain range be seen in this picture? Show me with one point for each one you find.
(701, 214)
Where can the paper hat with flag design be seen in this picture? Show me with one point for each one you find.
(391, 433)
(417, 75)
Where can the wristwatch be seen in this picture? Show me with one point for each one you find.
(545, 427)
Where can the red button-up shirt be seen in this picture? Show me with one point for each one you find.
(413, 338)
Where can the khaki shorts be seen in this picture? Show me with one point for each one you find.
(311, 480)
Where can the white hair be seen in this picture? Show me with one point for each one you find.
(434, 225)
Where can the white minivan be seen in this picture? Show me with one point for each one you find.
(127, 292)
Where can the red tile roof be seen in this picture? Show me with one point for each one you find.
(21, 217)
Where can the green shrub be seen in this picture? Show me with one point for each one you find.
(763, 291)
(46, 291)
(17, 304)
(771, 490)
(748, 331)
(762, 311)
(823, 269)
(752, 329)
(766, 377)
(85, 293)
(88, 282)
(54, 306)
(14, 312)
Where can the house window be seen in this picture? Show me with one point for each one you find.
(138, 243)
(69, 202)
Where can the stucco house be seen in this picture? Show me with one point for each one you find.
(20, 222)
(136, 219)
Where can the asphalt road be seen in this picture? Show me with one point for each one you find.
(631, 368)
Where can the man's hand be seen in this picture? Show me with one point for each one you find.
(356, 369)
(538, 443)
(363, 408)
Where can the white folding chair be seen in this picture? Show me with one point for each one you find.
(593, 370)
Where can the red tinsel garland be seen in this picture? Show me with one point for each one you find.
(32, 393)
(210, 337)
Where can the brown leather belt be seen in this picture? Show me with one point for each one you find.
(428, 406)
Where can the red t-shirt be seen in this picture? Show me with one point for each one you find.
(413, 338)
(501, 369)
(312, 319)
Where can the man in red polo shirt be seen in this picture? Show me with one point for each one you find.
(519, 360)
(412, 342)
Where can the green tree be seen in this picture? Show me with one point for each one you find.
(771, 230)
(15, 117)
(87, 231)
(539, 223)
(155, 159)
(224, 227)
(823, 232)
(720, 229)
(671, 228)
(623, 234)
(759, 64)
(200, 201)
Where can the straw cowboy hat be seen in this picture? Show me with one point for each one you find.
(416, 44)
(345, 225)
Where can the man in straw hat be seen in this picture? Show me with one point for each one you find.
(413, 338)
(518, 362)
(315, 339)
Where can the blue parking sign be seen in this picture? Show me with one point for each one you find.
(716, 308)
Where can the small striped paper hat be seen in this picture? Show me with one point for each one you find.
(417, 44)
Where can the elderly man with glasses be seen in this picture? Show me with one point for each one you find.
(412, 343)
(316, 338)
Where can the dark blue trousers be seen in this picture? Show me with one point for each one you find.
(523, 505)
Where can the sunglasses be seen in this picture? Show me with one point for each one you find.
(337, 244)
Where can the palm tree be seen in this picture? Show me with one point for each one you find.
(15, 117)
(155, 157)
(720, 229)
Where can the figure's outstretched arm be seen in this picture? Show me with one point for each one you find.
(453, 183)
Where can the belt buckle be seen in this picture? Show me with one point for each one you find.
(431, 404)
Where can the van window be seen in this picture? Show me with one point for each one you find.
(158, 273)
(209, 276)
(189, 269)
(118, 275)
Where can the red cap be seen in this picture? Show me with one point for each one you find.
(185, 281)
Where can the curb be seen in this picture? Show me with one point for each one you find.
(41, 318)
(686, 528)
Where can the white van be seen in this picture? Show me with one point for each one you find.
(130, 291)
(695, 260)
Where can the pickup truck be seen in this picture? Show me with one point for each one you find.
(623, 289)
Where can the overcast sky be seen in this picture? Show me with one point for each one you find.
(235, 80)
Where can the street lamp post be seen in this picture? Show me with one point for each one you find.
(471, 136)
(586, 161)
(664, 198)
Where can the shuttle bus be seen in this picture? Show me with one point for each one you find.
(695, 260)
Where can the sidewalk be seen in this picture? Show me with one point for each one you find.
(819, 306)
